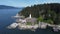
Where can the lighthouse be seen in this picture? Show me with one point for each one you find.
(30, 16)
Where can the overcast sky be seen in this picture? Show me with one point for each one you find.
(24, 3)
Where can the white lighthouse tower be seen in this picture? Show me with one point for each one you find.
(30, 16)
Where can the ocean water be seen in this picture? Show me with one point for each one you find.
(6, 19)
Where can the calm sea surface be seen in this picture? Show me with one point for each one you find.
(6, 19)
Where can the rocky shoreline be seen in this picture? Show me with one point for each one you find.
(22, 24)
(32, 27)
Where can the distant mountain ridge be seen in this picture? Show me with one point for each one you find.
(7, 7)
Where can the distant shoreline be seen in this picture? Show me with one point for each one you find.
(9, 7)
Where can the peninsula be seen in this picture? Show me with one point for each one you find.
(38, 16)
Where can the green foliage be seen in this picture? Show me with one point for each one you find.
(40, 19)
(49, 21)
(29, 23)
(52, 9)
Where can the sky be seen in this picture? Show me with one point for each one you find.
(25, 3)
